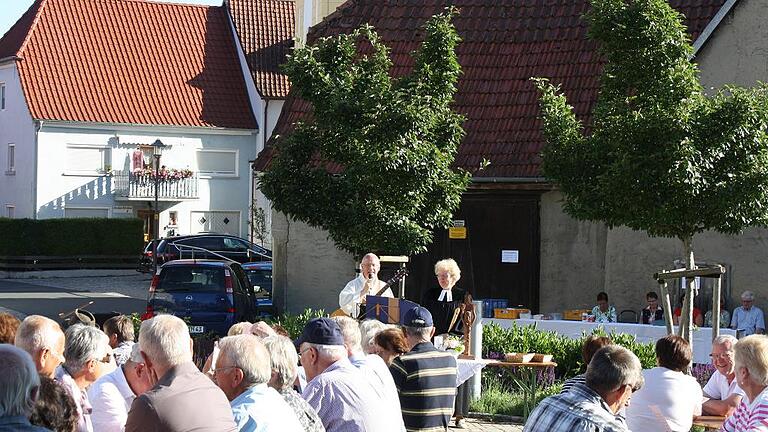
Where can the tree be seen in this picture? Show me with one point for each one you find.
(660, 155)
(373, 165)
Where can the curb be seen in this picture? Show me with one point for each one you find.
(46, 274)
(497, 418)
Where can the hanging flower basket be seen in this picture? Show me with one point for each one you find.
(165, 174)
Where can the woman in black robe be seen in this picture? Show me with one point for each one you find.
(443, 301)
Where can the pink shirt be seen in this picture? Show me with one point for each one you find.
(749, 417)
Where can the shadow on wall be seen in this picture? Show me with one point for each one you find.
(96, 194)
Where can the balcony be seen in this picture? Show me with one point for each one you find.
(128, 186)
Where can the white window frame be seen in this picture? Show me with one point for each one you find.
(214, 174)
(108, 209)
(2, 96)
(10, 211)
(11, 156)
(106, 159)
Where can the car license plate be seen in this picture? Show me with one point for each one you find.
(196, 329)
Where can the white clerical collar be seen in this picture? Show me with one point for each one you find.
(445, 295)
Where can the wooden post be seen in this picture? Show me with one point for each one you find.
(665, 305)
(716, 309)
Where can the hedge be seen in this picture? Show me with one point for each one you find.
(66, 237)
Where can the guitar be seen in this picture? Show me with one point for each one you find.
(401, 273)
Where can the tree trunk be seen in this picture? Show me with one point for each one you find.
(686, 315)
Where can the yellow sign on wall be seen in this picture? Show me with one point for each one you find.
(457, 232)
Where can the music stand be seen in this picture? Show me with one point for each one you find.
(386, 309)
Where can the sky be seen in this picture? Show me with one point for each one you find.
(12, 10)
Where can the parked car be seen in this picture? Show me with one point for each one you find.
(260, 276)
(209, 295)
(204, 246)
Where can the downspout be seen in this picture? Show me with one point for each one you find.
(38, 128)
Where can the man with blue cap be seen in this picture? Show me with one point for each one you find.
(344, 400)
(425, 377)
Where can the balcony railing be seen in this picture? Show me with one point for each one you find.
(128, 185)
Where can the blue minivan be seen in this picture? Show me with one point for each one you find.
(209, 295)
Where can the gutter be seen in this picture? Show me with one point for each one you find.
(38, 128)
(713, 24)
(509, 180)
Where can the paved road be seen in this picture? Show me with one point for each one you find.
(49, 297)
(475, 425)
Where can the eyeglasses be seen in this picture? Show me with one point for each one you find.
(724, 355)
(223, 368)
(301, 352)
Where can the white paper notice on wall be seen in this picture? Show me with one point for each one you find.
(510, 256)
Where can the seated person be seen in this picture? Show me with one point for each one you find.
(698, 319)
(653, 312)
(748, 317)
(722, 391)
(603, 312)
(591, 345)
(725, 316)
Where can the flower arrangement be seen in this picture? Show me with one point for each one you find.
(453, 343)
(164, 173)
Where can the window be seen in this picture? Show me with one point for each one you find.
(10, 211)
(217, 163)
(87, 160)
(2, 96)
(86, 212)
(173, 218)
(11, 167)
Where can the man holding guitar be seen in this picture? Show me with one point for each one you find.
(367, 283)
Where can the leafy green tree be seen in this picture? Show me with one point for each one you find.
(373, 164)
(660, 155)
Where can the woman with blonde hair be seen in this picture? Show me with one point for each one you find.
(751, 359)
(443, 301)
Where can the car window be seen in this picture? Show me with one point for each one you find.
(234, 245)
(190, 278)
(261, 278)
(210, 243)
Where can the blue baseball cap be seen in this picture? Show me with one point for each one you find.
(418, 316)
(321, 331)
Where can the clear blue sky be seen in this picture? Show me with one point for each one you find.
(12, 10)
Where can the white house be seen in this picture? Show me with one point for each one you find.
(86, 88)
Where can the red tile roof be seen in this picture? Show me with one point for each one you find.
(265, 29)
(505, 42)
(130, 62)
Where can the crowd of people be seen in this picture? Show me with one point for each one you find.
(339, 375)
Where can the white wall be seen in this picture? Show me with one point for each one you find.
(58, 189)
(16, 126)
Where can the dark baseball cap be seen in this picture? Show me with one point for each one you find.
(418, 316)
(321, 331)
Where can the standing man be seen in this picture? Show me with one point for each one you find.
(425, 377)
(365, 284)
(722, 390)
(748, 317)
(42, 339)
(612, 375)
(183, 398)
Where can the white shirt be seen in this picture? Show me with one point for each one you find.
(718, 387)
(350, 295)
(111, 398)
(377, 373)
(667, 402)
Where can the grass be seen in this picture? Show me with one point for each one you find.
(496, 399)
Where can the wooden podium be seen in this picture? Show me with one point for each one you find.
(386, 309)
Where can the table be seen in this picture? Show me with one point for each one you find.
(709, 422)
(529, 382)
(702, 337)
(467, 368)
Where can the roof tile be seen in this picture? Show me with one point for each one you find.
(129, 62)
(505, 42)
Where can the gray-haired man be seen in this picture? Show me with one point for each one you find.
(88, 357)
(42, 339)
(21, 384)
(722, 390)
(612, 376)
(748, 318)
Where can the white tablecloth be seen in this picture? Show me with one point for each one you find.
(467, 368)
(702, 337)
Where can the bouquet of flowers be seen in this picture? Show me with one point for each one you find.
(454, 344)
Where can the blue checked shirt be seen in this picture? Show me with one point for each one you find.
(578, 410)
(748, 320)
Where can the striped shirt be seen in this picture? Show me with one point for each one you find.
(426, 382)
(749, 417)
(579, 410)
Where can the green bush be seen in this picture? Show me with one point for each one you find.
(294, 324)
(66, 237)
(565, 351)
